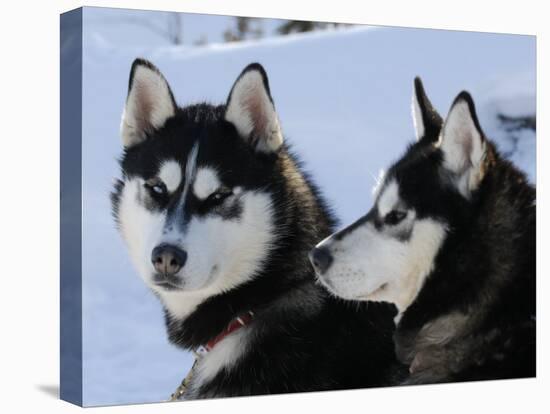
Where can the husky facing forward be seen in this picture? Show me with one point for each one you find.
(451, 242)
(218, 219)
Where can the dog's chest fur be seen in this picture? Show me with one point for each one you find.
(223, 357)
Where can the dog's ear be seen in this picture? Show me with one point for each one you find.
(463, 144)
(251, 110)
(149, 104)
(427, 122)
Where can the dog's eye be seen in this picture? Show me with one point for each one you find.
(394, 217)
(159, 189)
(217, 197)
(156, 188)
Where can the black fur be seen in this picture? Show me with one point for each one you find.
(430, 118)
(474, 318)
(303, 339)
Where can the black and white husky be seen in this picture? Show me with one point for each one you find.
(219, 218)
(450, 241)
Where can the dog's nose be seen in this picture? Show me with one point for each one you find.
(321, 259)
(168, 259)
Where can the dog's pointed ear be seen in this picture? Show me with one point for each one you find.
(149, 104)
(463, 144)
(427, 122)
(251, 110)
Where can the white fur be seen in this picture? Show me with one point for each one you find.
(223, 356)
(251, 111)
(190, 171)
(463, 147)
(389, 198)
(139, 227)
(191, 166)
(221, 254)
(370, 265)
(148, 106)
(170, 175)
(206, 183)
(418, 122)
(375, 264)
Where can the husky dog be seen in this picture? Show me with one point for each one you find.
(450, 241)
(218, 218)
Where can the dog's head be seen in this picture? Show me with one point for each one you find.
(194, 204)
(387, 254)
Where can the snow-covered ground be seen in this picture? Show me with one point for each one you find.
(343, 98)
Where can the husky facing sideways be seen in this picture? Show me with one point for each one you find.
(450, 241)
(218, 219)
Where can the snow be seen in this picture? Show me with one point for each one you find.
(512, 96)
(343, 97)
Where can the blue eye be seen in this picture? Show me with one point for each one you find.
(156, 188)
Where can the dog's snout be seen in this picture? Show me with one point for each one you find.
(321, 259)
(168, 259)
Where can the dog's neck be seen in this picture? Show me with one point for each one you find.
(476, 293)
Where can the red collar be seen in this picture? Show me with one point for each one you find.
(235, 325)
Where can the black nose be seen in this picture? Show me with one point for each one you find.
(321, 259)
(168, 259)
